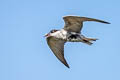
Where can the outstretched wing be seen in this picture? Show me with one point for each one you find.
(75, 23)
(57, 46)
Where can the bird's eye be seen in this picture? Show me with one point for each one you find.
(52, 31)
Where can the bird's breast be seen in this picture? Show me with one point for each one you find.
(62, 34)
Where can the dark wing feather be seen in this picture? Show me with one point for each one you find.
(57, 46)
(75, 23)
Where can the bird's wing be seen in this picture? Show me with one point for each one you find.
(57, 46)
(75, 23)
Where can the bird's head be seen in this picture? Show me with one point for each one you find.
(51, 32)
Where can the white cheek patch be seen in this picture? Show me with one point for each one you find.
(55, 34)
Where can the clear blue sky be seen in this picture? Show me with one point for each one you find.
(25, 55)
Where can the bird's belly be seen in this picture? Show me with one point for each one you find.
(74, 38)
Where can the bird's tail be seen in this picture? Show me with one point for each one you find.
(88, 40)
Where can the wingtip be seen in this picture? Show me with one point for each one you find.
(67, 66)
(107, 23)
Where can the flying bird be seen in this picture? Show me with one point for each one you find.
(70, 33)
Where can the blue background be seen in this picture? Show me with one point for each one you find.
(25, 55)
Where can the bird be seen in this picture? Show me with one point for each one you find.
(71, 32)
